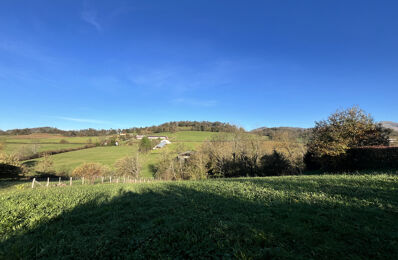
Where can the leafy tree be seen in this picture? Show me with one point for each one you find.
(128, 166)
(346, 129)
(145, 145)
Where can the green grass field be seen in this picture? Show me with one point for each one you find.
(294, 217)
(46, 138)
(15, 148)
(42, 142)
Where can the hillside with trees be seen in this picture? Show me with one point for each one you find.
(166, 127)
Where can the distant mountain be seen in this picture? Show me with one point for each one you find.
(391, 125)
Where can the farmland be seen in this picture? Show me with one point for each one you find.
(43, 142)
(65, 162)
(301, 217)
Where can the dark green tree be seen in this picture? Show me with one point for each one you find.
(145, 145)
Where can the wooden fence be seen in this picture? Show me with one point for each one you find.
(59, 182)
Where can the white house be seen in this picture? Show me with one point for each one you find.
(162, 144)
(153, 137)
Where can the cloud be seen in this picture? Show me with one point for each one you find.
(90, 17)
(194, 102)
(83, 120)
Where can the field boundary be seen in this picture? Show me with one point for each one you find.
(42, 154)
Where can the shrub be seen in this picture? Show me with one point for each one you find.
(128, 166)
(9, 171)
(46, 165)
(63, 141)
(90, 170)
(10, 166)
(364, 158)
(275, 164)
(10, 159)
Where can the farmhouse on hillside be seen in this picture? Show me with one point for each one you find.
(151, 137)
(157, 137)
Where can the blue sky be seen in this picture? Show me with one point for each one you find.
(118, 64)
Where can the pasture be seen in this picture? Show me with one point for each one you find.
(300, 217)
(36, 143)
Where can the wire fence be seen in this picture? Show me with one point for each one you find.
(72, 181)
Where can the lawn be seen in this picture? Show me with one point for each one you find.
(293, 217)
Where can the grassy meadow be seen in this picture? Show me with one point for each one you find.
(292, 217)
(36, 143)
(107, 155)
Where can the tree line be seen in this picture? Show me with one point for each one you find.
(166, 127)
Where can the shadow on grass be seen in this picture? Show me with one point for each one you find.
(381, 191)
(175, 221)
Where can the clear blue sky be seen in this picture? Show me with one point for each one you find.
(118, 64)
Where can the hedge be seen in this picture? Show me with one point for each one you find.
(363, 158)
(52, 152)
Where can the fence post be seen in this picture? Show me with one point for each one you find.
(82, 180)
(110, 179)
(124, 179)
(128, 178)
(59, 180)
(33, 183)
(48, 181)
(102, 179)
(70, 181)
